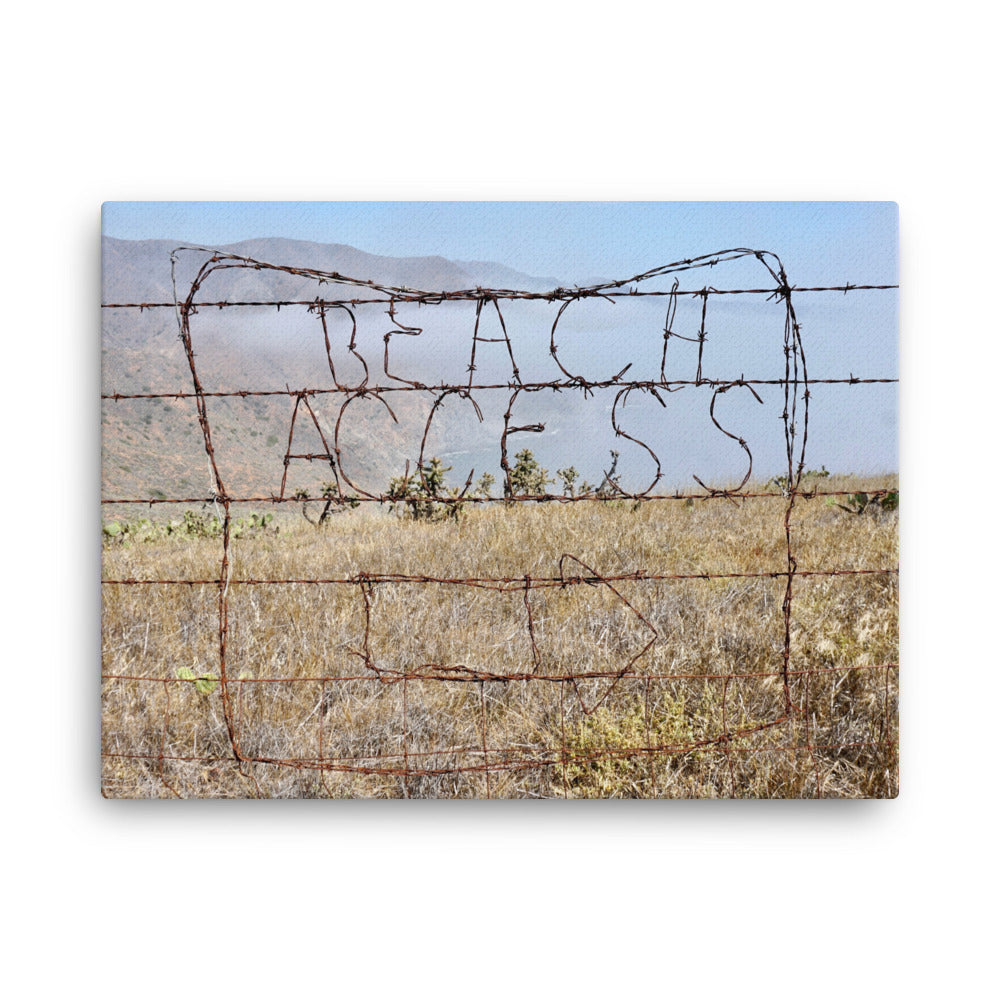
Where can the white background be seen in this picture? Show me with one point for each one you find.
(125, 101)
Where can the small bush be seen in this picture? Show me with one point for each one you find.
(418, 496)
(783, 484)
(335, 504)
(869, 503)
(191, 525)
(528, 476)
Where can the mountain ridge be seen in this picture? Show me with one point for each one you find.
(154, 447)
(140, 271)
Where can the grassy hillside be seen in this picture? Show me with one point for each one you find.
(545, 686)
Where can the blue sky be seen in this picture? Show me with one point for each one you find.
(819, 242)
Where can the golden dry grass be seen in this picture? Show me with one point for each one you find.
(703, 658)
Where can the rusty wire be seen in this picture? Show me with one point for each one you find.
(572, 571)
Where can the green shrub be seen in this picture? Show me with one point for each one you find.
(528, 476)
(783, 484)
(191, 525)
(335, 503)
(484, 485)
(417, 496)
(868, 503)
(568, 477)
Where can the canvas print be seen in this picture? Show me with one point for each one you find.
(499, 500)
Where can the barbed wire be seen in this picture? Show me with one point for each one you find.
(442, 387)
(573, 572)
(506, 584)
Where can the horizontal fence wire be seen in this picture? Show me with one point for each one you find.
(580, 694)
(403, 295)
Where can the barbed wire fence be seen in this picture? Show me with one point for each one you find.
(587, 690)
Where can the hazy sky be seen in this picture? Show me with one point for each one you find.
(819, 242)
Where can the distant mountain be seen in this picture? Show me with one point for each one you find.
(139, 270)
(136, 270)
(154, 447)
(490, 275)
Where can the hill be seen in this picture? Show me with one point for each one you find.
(153, 447)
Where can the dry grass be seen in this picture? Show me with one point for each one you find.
(301, 692)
